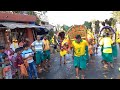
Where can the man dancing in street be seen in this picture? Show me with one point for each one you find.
(79, 52)
(107, 56)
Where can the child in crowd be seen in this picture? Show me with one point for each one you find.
(1, 61)
(22, 72)
(11, 57)
(7, 72)
(91, 50)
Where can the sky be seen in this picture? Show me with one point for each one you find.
(76, 17)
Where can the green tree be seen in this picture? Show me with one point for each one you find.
(88, 24)
(97, 26)
(65, 27)
(116, 15)
(33, 13)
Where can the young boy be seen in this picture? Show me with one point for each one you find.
(90, 50)
(63, 52)
(22, 72)
(65, 49)
(7, 72)
(1, 61)
(27, 54)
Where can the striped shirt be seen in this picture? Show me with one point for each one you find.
(26, 53)
(38, 45)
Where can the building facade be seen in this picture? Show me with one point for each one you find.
(18, 26)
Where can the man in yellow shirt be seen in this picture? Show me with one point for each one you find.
(106, 43)
(46, 50)
(79, 53)
(118, 37)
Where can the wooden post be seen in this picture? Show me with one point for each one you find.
(30, 35)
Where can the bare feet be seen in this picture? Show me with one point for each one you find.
(49, 65)
(111, 65)
(64, 62)
(102, 62)
(82, 76)
(77, 77)
(105, 66)
(60, 63)
(91, 61)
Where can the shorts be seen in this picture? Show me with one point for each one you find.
(114, 50)
(80, 62)
(47, 54)
(108, 57)
(39, 57)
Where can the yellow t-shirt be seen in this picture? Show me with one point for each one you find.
(79, 48)
(64, 41)
(117, 37)
(118, 40)
(106, 42)
(53, 42)
(46, 44)
(62, 53)
(117, 34)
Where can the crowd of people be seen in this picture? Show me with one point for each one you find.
(24, 61)
(84, 50)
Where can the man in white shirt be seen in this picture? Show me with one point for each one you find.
(38, 49)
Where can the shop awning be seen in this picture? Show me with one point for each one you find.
(13, 25)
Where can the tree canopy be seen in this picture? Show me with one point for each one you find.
(65, 27)
(116, 15)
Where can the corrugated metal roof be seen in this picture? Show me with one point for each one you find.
(13, 25)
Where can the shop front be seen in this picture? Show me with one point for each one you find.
(17, 26)
(17, 32)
